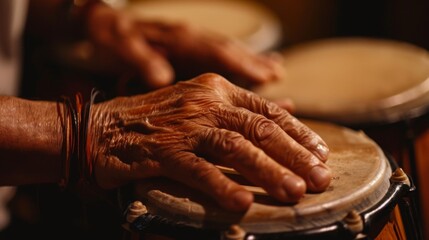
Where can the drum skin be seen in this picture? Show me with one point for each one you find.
(361, 178)
(354, 80)
(246, 21)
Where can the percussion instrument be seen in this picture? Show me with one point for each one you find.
(360, 201)
(246, 21)
(354, 80)
(379, 86)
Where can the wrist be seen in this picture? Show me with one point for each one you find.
(30, 141)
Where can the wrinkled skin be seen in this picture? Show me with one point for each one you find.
(159, 52)
(180, 131)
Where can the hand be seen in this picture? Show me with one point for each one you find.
(159, 52)
(180, 131)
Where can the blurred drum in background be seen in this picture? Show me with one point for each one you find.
(355, 80)
(247, 21)
(379, 86)
(370, 84)
(362, 201)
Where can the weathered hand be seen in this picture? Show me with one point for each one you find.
(180, 131)
(159, 51)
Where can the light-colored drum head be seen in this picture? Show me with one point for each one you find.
(361, 179)
(354, 80)
(247, 21)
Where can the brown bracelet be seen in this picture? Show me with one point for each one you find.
(76, 162)
(85, 147)
(70, 125)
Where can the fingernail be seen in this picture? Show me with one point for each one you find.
(322, 151)
(242, 200)
(294, 187)
(320, 178)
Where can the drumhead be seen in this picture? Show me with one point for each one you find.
(361, 179)
(247, 21)
(354, 80)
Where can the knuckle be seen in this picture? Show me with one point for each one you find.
(274, 111)
(264, 130)
(308, 139)
(212, 80)
(288, 122)
(297, 131)
(232, 142)
(305, 136)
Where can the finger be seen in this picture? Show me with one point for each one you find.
(286, 104)
(267, 135)
(204, 176)
(133, 48)
(154, 68)
(292, 126)
(240, 61)
(233, 150)
(110, 171)
(214, 52)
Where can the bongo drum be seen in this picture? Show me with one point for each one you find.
(360, 202)
(378, 86)
(246, 21)
(354, 80)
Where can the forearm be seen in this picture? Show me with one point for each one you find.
(31, 139)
